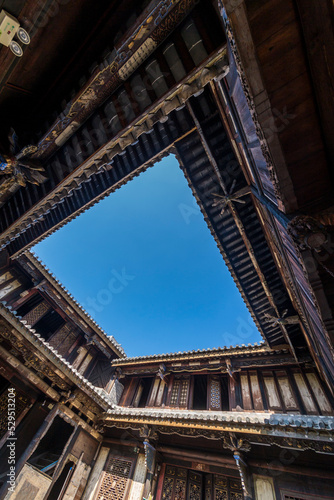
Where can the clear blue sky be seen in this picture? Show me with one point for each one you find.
(144, 265)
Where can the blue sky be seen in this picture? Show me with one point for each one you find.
(144, 265)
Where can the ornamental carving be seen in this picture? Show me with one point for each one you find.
(307, 232)
(168, 24)
(18, 166)
(35, 362)
(298, 444)
(45, 371)
(87, 403)
(263, 141)
(115, 479)
(129, 54)
(21, 403)
(233, 443)
(148, 433)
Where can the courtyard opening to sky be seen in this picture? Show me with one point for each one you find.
(145, 266)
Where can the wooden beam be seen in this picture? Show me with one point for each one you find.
(290, 469)
(237, 13)
(28, 374)
(316, 18)
(209, 458)
(240, 226)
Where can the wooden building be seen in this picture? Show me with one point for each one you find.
(241, 92)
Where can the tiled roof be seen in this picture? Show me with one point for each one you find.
(247, 418)
(52, 355)
(255, 348)
(75, 304)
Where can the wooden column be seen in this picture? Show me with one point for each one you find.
(150, 454)
(233, 399)
(80, 473)
(93, 480)
(246, 479)
(139, 477)
(81, 354)
(160, 482)
(32, 446)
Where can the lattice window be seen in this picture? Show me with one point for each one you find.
(175, 393)
(67, 344)
(236, 496)
(36, 313)
(21, 403)
(168, 488)
(179, 394)
(215, 395)
(184, 392)
(115, 479)
(63, 339)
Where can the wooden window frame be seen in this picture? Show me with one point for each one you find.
(170, 390)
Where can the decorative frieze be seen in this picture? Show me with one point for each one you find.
(37, 313)
(115, 479)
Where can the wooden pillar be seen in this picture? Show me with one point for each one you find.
(32, 446)
(81, 354)
(246, 479)
(94, 478)
(150, 454)
(139, 477)
(158, 495)
(80, 473)
(232, 389)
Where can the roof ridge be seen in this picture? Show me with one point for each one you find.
(33, 257)
(254, 346)
(36, 337)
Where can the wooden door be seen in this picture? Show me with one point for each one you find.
(195, 480)
(218, 487)
(175, 483)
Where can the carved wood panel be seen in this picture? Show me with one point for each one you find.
(115, 479)
(21, 403)
(194, 486)
(218, 487)
(215, 402)
(36, 313)
(175, 484)
(63, 339)
(180, 391)
(183, 484)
